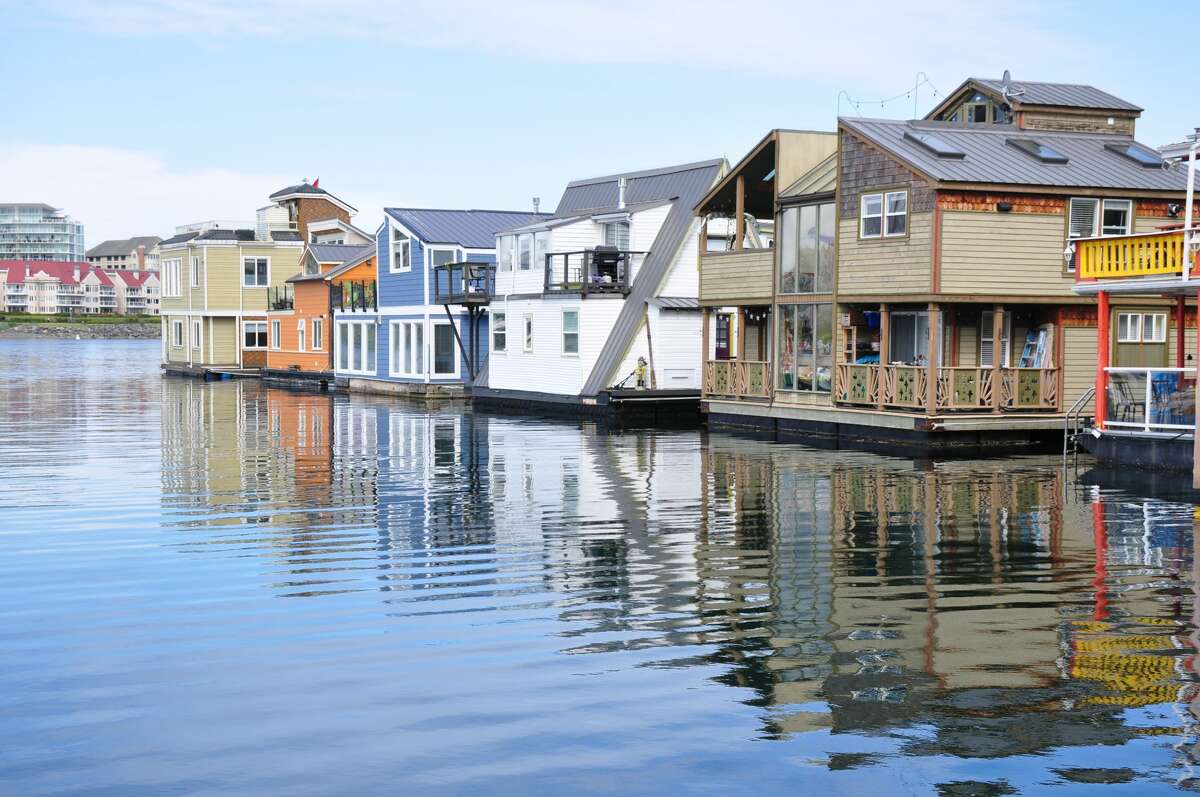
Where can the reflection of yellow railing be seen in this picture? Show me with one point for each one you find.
(1131, 255)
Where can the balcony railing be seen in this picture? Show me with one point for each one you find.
(737, 378)
(353, 296)
(600, 270)
(464, 283)
(957, 389)
(1139, 255)
(1151, 399)
(281, 298)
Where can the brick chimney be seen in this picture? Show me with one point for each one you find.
(141, 257)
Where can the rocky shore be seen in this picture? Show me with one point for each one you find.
(87, 331)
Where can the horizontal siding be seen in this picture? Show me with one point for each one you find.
(223, 270)
(684, 277)
(224, 341)
(738, 275)
(1079, 364)
(1009, 254)
(1151, 223)
(885, 267)
(546, 369)
(968, 346)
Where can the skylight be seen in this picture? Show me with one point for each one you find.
(1033, 149)
(1143, 156)
(935, 144)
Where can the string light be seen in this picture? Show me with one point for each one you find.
(908, 94)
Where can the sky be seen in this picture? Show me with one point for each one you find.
(139, 115)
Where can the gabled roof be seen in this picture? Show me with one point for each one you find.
(601, 193)
(1026, 93)
(326, 224)
(119, 247)
(133, 278)
(550, 222)
(337, 253)
(308, 190)
(365, 253)
(988, 157)
(470, 229)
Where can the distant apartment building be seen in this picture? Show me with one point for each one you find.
(35, 231)
(137, 291)
(51, 287)
(134, 254)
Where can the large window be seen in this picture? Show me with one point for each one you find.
(356, 347)
(256, 272)
(254, 335)
(401, 252)
(407, 344)
(541, 247)
(499, 332)
(504, 253)
(806, 347)
(883, 215)
(525, 249)
(442, 257)
(170, 278)
(445, 361)
(616, 233)
(570, 332)
(909, 338)
(806, 260)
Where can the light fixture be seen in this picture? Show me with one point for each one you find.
(1004, 207)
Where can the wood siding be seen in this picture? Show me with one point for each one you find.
(885, 267)
(737, 276)
(1079, 364)
(1014, 254)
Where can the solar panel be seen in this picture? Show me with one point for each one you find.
(935, 144)
(1035, 149)
(1143, 156)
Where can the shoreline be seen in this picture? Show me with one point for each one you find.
(65, 331)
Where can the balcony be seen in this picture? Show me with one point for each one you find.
(349, 297)
(281, 298)
(737, 277)
(1140, 255)
(1150, 400)
(738, 379)
(464, 283)
(590, 271)
(906, 387)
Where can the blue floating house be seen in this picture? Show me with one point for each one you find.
(417, 340)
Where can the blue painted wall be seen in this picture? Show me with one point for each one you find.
(406, 288)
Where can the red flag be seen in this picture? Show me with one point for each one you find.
(317, 183)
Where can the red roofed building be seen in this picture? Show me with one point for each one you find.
(137, 292)
(72, 287)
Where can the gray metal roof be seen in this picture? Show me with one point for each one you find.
(285, 235)
(178, 239)
(990, 159)
(123, 246)
(551, 222)
(676, 303)
(299, 188)
(1064, 95)
(685, 185)
(220, 234)
(471, 229)
(366, 253)
(337, 253)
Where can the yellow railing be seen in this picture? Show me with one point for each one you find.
(1139, 255)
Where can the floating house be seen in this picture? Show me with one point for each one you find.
(595, 308)
(408, 339)
(922, 287)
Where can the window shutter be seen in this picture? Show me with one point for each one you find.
(1083, 218)
(985, 340)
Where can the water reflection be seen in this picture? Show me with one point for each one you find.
(457, 601)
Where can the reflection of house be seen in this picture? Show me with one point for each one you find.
(918, 291)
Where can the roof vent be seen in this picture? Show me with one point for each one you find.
(621, 193)
(1037, 150)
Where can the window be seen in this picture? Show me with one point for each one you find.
(300, 335)
(871, 218)
(1083, 216)
(1091, 218)
(407, 343)
(808, 237)
(356, 347)
(570, 332)
(541, 247)
(986, 339)
(195, 273)
(1141, 327)
(806, 347)
(504, 253)
(616, 233)
(275, 334)
(195, 333)
(884, 215)
(909, 338)
(499, 332)
(177, 334)
(897, 213)
(254, 335)
(441, 257)
(1115, 217)
(318, 334)
(528, 332)
(401, 252)
(445, 363)
(525, 249)
(256, 272)
(170, 280)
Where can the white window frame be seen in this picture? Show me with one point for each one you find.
(400, 332)
(176, 333)
(195, 272)
(527, 332)
(275, 340)
(171, 288)
(432, 364)
(1160, 328)
(197, 333)
(360, 367)
(256, 258)
(888, 215)
(504, 253)
(522, 239)
(256, 324)
(563, 330)
(1133, 328)
(863, 216)
(300, 330)
(318, 334)
(1104, 206)
(986, 320)
(399, 239)
(499, 319)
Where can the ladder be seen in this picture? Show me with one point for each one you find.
(1075, 424)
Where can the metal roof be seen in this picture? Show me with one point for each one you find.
(367, 252)
(1063, 95)
(989, 158)
(285, 235)
(300, 188)
(676, 303)
(337, 253)
(471, 229)
(123, 246)
(551, 222)
(686, 186)
(178, 239)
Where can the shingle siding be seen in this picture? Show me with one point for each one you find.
(864, 168)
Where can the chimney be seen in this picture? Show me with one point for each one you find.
(621, 193)
(141, 257)
(75, 272)
(537, 204)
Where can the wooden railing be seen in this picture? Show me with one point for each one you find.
(1140, 255)
(737, 378)
(464, 283)
(958, 389)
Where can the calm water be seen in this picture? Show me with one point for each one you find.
(225, 589)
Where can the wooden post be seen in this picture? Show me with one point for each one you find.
(997, 353)
(885, 344)
(1102, 338)
(650, 351)
(704, 332)
(933, 359)
(741, 334)
(739, 222)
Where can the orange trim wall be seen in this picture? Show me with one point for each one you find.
(311, 301)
